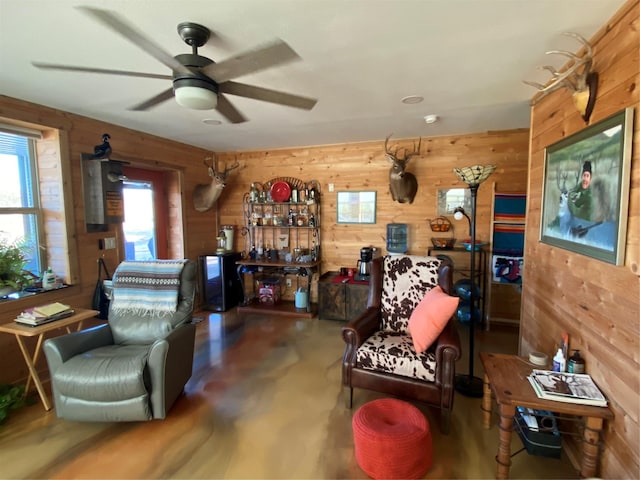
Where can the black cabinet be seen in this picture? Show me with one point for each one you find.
(340, 301)
(220, 285)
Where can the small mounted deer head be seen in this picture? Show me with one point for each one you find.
(403, 185)
(578, 79)
(204, 196)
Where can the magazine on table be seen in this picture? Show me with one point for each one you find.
(44, 314)
(567, 387)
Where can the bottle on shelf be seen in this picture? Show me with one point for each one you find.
(253, 193)
(48, 279)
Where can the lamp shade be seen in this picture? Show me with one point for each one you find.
(196, 98)
(475, 174)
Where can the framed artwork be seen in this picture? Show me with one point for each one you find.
(356, 207)
(586, 189)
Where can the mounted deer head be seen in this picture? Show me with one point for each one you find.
(204, 196)
(403, 185)
(578, 79)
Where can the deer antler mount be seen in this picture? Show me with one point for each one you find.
(577, 78)
(204, 196)
(402, 184)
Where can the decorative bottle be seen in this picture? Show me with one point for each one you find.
(576, 363)
(253, 193)
(48, 279)
(559, 362)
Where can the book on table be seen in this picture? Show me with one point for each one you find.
(44, 313)
(565, 387)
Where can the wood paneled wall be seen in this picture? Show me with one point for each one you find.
(598, 304)
(363, 166)
(77, 135)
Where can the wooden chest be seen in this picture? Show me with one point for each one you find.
(340, 301)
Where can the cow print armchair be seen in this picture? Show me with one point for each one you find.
(383, 352)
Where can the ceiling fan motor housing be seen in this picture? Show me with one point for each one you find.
(195, 79)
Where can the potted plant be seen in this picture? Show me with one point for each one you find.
(13, 276)
(11, 398)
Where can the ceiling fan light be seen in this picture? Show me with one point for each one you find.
(196, 98)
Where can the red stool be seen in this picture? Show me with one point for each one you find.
(392, 439)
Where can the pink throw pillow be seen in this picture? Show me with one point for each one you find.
(430, 317)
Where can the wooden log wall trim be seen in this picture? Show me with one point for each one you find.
(597, 303)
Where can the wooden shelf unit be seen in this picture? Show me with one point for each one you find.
(290, 232)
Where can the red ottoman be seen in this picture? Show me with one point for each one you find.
(392, 439)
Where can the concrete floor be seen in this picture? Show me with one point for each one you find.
(265, 401)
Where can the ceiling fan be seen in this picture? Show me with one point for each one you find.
(199, 82)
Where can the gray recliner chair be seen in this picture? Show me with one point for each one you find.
(132, 368)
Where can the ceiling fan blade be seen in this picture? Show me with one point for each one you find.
(119, 25)
(275, 53)
(71, 68)
(267, 95)
(153, 101)
(228, 110)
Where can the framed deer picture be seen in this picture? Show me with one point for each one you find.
(586, 189)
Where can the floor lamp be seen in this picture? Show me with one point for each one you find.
(469, 385)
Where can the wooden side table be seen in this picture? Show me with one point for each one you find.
(506, 377)
(19, 331)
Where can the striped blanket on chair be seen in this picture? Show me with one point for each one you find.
(147, 288)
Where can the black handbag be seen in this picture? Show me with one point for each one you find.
(101, 298)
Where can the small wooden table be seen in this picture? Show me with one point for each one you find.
(506, 377)
(20, 330)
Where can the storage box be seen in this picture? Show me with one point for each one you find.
(546, 441)
(269, 292)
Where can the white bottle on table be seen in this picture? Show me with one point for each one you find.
(559, 362)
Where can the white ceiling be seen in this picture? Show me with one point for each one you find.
(467, 58)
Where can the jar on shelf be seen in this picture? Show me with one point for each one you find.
(253, 193)
(221, 242)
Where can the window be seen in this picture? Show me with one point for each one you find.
(139, 224)
(20, 212)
